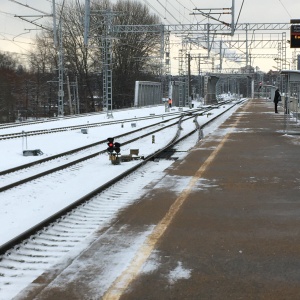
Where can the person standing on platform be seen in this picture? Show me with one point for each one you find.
(277, 98)
(170, 102)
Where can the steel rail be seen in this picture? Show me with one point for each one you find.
(16, 242)
(76, 127)
(52, 119)
(4, 172)
(69, 164)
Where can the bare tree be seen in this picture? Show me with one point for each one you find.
(8, 80)
(78, 58)
(132, 52)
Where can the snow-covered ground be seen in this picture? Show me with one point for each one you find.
(11, 151)
(32, 202)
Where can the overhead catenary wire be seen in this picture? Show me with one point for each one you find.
(153, 8)
(285, 9)
(185, 9)
(11, 40)
(166, 11)
(169, 12)
(166, 3)
(237, 20)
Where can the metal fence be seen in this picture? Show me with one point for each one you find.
(290, 101)
(147, 93)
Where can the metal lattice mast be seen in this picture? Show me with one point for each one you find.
(284, 62)
(181, 82)
(58, 43)
(167, 90)
(186, 75)
(60, 73)
(107, 63)
(219, 87)
(206, 77)
(183, 91)
(167, 53)
(54, 23)
(110, 30)
(294, 60)
(77, 96)
(283, 51)
(232, 17)
(278, 62)
(279, 59)
(221, 56)
(247, 47)
(87, 21)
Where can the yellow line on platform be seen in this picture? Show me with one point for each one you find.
(123, 281)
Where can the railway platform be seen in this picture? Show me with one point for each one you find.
(223, 223)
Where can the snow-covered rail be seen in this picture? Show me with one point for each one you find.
(25, 173)
(27, 255)
(23, 133)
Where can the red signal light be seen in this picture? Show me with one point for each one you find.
(110, 145)
(113, 147)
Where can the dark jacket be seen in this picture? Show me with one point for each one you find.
(277, 96)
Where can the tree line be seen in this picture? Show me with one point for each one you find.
(31, 90)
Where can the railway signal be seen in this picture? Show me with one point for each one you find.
(114, 150)
(110, 145)
(117, 148)
(113, 147)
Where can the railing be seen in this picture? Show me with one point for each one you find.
(292, 113)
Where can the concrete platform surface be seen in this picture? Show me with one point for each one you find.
(225, 224)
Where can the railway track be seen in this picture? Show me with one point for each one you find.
(95, 145)
(62, 168)
(54, 119)
(55, 235)
(48, 165)
(23, 133)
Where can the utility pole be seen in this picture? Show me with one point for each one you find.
(182, 85)
(87, 22)
(232, 17)
(189, 87)
(69, 95)
(221, 56)
(199, 74)
(107, 62)
(165, 65)
(60, 51)
(247, 47)
(54, 23)
(60, 72)
(77, 96)
(106, 41)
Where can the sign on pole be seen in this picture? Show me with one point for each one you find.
(295, 36)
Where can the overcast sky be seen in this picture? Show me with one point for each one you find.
(15, 37)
